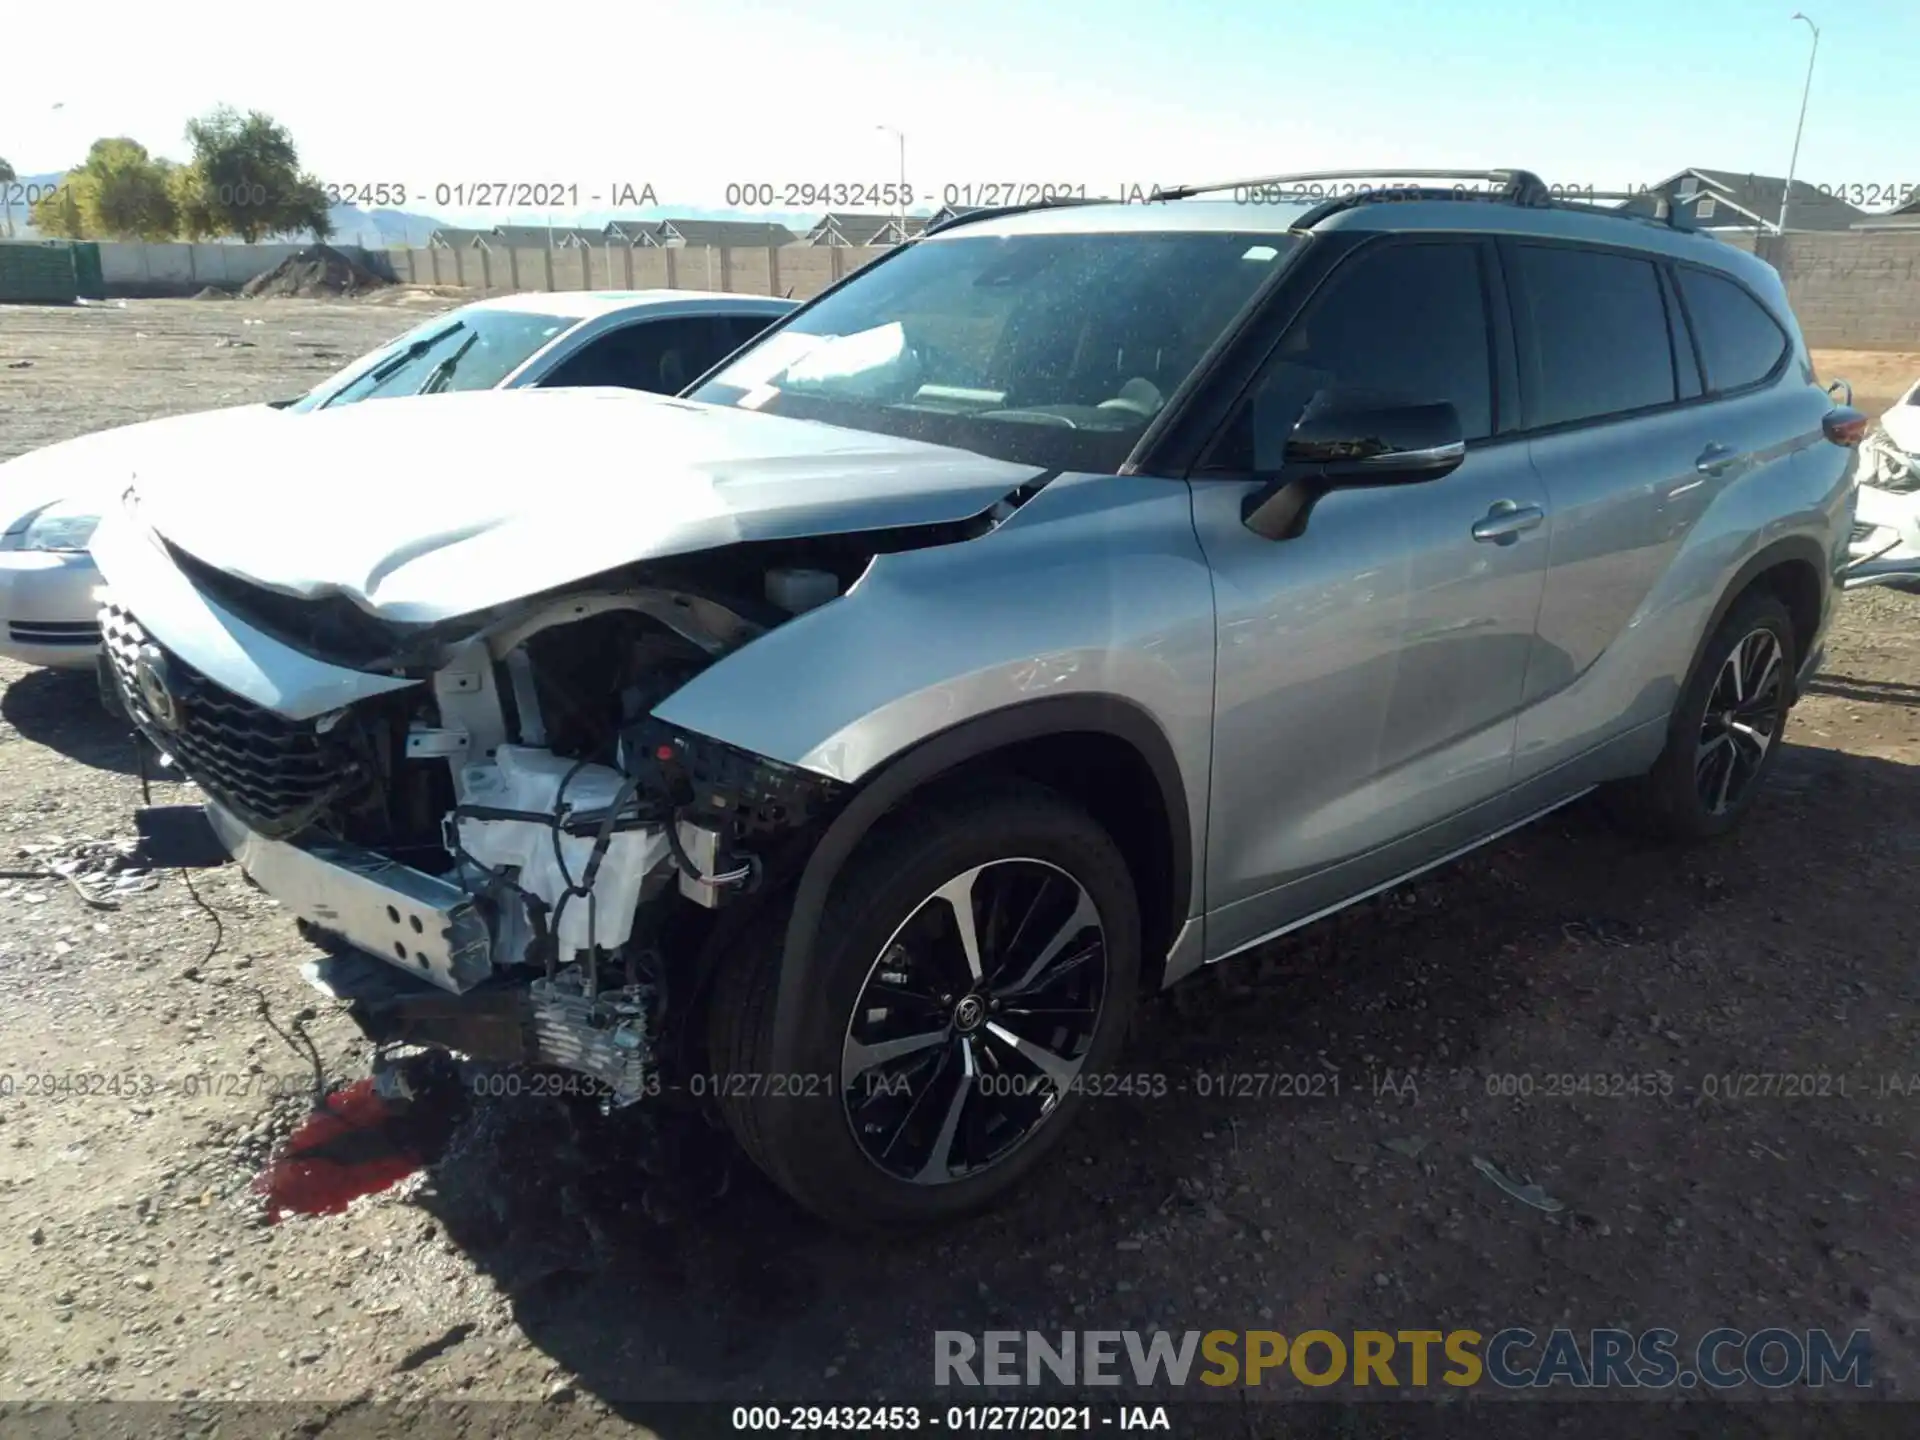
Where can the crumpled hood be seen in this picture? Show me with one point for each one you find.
(98, 466)
(423, 509)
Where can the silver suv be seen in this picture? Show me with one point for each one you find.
(1075, 597)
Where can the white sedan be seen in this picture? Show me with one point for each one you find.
(656, 340)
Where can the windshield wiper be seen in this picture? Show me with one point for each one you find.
(374, 377)
(441, 375)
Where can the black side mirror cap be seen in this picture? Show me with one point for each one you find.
(1344, 442)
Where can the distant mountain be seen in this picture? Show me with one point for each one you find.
(381, 228)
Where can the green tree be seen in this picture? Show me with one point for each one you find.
(121, 192)
(245, 179)
(58, 211)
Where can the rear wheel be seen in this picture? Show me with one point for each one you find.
(1726, 729)
(976, 962)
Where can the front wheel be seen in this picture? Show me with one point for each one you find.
(1726, 729)
(975, 967)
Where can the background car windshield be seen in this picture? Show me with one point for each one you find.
(473, 351)
(1053, 350)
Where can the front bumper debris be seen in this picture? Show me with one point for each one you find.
(426, 926)
(439, 985)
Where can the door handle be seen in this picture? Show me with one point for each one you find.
(1505, 522)
(1715, 458)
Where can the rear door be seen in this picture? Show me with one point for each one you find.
(1369, 669)
(1648, 388)
(1625, 444)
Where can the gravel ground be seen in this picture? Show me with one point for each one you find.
(542, 1257)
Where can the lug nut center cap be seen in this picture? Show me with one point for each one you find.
(969, 1013)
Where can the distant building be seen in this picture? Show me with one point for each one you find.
(539, 237)
(643, 234)
(722, 234)
(1907, 217)
(1724, 200)
(848, 228)
(452, 237)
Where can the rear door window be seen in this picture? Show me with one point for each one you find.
(1599, 334)
(1739, 340)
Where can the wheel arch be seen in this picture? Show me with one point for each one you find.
(1791, 569)
(1101, 751)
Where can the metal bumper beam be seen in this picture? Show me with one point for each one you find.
(423, 925)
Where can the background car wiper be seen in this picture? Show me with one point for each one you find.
(441, 374)
(386, 367)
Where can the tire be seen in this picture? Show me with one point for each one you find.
(1025, 851)
(1689, 794)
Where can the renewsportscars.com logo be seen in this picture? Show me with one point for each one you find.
(1512, 1359)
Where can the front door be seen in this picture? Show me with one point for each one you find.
(1370, 668)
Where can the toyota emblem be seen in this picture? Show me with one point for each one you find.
(155, 685)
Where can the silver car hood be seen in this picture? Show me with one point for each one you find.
(431, 508)
(97, 466)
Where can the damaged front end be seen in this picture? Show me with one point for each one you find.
(535, 859)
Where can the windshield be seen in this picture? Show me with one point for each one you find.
(474, 350)
(1045, 349)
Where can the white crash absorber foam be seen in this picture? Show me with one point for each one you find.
(522, 778)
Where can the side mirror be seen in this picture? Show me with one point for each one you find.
(1342, 442)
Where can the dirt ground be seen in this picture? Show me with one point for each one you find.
(543, 1258)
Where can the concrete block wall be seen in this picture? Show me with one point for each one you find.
(1855, 289)
(158, 269)
(800, 270)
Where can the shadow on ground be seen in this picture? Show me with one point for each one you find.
(654, 1265)
(61, 709)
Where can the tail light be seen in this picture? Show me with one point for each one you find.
(1845, 425)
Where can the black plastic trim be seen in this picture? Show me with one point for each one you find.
(938, 755)
(1790, 549)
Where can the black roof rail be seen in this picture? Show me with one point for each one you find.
(1523, 187)
(1663, 211)
(1517, 187)
(1580, 201)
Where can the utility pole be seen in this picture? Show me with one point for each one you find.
(901, 137)
(1787, 194)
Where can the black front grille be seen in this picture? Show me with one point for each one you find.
(273, 773)
(36, 632)
(1861, 533)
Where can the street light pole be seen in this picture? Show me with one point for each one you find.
(902, 138)
(1792, 164)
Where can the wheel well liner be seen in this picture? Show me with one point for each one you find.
(1791, 569)
(1073, 742)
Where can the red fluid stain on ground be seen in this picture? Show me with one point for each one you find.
(353, 1147)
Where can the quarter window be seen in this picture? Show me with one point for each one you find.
(1738, 339)
(1599, 333)
(1407, 322)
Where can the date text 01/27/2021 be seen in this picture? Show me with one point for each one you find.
(985, 1419)
(490, 194)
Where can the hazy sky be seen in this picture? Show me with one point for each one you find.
(690, 96)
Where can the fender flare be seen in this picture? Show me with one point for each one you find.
(935, 756)
(1788, 548)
